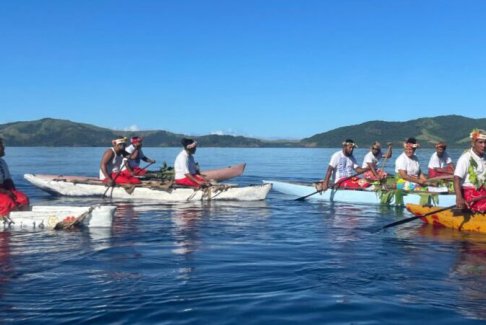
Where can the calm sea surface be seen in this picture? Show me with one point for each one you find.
(272, 262)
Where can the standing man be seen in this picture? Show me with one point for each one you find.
(10, 198)
(470, 175)
(186, 171)
(135, 155)
(440, 164)
(342, 166)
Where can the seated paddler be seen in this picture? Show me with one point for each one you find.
(136, 155)
(440, 164)
(371, 161)
(186, 171)
(409, 176)
(114, 168)
(470, 175)
(10, 198)
(343, 169)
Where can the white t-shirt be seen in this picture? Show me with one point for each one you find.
(463, 166)
(4, 172)
(184, 164)
(410, 165)
(134, 162)
(343, 165)
(370, 158)
(437, 162)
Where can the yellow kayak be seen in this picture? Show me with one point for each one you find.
(450, 218)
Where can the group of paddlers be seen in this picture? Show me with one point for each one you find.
(468, 176)
(121, 165)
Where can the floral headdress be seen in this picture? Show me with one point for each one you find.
(477, 134)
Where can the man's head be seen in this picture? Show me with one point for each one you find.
(376, 148)
(136, 141)
(189, 144)
(409, 146)
(478, 141)
(440, 148)
(348, 147)
(119, 144)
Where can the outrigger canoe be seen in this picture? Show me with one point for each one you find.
(53, 217)
(148, 190)
(450, 218)
(369, 196)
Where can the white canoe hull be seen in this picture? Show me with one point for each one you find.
(348, 196)
(47, 217)
(57, 185)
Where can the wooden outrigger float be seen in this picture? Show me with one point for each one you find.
(59, 217)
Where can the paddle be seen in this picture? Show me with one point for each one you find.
(387, 155)
(112, 186)
(141, 170)
(399, 222)
(302, 198)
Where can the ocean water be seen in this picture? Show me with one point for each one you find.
(272, 262)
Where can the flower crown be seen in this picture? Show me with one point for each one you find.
(410, 145)
(477, 134)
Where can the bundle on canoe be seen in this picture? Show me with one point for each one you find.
(166, 173)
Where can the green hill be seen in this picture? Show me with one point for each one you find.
(453, 129)
(63, 133)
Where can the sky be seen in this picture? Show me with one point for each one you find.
(270, 69)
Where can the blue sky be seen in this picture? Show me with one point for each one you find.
(260, 68)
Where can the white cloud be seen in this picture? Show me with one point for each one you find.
(133, 128)
(227, 132)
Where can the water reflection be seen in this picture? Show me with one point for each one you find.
(6, 266)
(185, 220)
(125, 219)
(468, 270)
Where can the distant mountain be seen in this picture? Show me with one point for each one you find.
(50, 132)
(453, 129)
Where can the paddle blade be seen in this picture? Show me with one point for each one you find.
(302, 198)
(399, 222)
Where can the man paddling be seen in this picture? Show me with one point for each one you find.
(186, 171)
(342, 166)
(440, 164)
(407, 168)
(470, 174)
(112, 165)
(371, 160)
(136, 155)
(10, 198)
